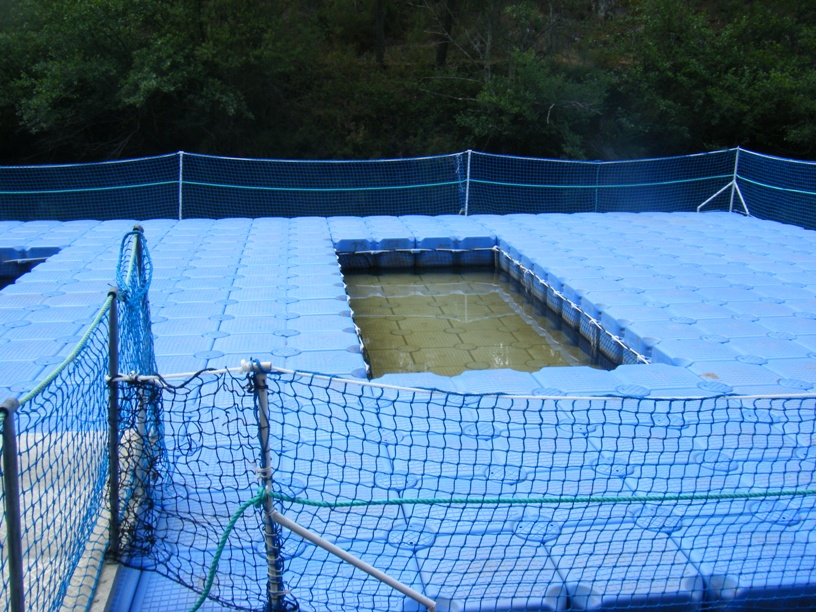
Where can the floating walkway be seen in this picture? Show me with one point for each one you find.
(716, 303)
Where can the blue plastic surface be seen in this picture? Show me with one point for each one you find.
(719, 315)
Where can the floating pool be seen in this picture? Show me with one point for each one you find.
(449, 321)
(718, 304)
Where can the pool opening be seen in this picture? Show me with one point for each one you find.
(16, 262)
(450, 320)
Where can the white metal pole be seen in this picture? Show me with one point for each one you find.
(358, 563)
(181, 185)
(467, 183)
(274, 581)
(734, 181)
(721, 190)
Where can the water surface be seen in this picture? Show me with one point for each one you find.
(447, 322)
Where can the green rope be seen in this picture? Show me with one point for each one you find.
(88, 189)
(578, 499)
(603, 186)
(777, 188)
(255, 501)
(72, 355)
(97, 320)
(326, 189)
(259, 498)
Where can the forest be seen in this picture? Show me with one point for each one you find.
(93, 80)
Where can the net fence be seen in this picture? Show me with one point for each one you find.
(62, 443)
(188, 185)
(63, 452)
(484, 501)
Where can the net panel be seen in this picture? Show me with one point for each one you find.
(63, 450)
(502, 185)
(186, 185)
(222, 187)
(668, 184)
(62, 443)
(144, 188)
(779, 189)
(488, 500)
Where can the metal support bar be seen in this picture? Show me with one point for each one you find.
(142, 447)
(727, 185)
(742, 199)
(734, 182)
(139, 248)
(274, 581)
(11, 497)
(467, 184)
(27, 260)
(113, 425)
(138, 253)
(351, 559)
(597, 180)
(181, 185)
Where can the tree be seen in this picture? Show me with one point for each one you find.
(104, 78)
(739, 77)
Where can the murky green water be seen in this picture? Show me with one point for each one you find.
(448, 322)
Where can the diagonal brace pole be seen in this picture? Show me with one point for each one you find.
(315, 539)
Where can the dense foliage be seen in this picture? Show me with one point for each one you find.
(600, 79)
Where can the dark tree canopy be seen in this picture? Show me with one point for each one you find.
(88, 80)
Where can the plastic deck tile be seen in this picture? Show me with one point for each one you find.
(720, 316)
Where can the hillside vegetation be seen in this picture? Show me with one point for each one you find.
(85, 80)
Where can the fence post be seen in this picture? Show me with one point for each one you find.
(274, 582)
(139, 255)
(113, 424)
(181, 185)
(11, 484)
(467, 183)
(597, 178)
(734, 180)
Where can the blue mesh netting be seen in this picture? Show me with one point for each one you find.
(187, 185)
(145, 188)
(62, 447)
(503, 185)
(779, 189)
(62, 455)
(486, 501)
(217, 187)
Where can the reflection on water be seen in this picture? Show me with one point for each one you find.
(447, 322)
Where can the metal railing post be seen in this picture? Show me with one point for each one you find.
(467, 183)
(138, 238)
(113, 424)
(274, 582)
(597, 178)
(734, 181)
(11, 484)
(181, 185)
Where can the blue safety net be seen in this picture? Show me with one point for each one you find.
(144, 188)
(502, 185)
(187, 185)
(479, 501)
(62, 454)
(778, 189)
(215, 187)
(63, 450)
